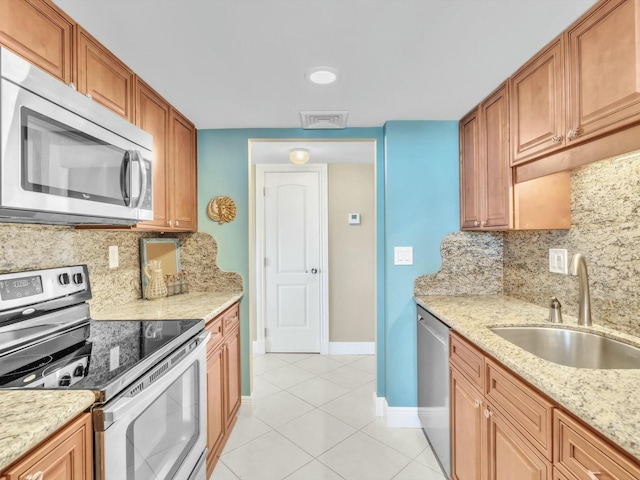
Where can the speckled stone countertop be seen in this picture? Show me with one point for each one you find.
(605, 399)
(196, 305)
(29, 416)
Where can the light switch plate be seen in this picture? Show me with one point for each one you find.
(558, 262)
(354, 219)
(403, 255)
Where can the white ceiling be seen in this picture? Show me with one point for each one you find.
(241, 63)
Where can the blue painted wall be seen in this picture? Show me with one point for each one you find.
(417, 204)
(223, 170)
(422, 205)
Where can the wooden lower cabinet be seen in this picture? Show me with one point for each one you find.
(467, 427)
(511, 431)
(223, 381)
(67, 455)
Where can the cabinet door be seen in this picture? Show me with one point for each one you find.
(232, 378)
(183, 189)
(509, 456)
(467, 442)
(216, 415)
(580, 453)
(494, 160)
(101, 75)
(68, 455)
(152, 115)
(537, 105)
(604, 66)
(41, 33)
(469, 171)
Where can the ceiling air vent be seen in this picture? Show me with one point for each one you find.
(324, 120)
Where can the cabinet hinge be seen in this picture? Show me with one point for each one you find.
(266, 262)
(265, 332)
(264, 191)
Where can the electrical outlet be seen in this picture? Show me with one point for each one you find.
(113, 256)
(558, 261)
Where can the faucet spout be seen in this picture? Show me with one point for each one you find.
(579, 267)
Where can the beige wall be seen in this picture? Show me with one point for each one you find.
(351, 253)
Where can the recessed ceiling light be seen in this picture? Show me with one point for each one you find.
(322, 75)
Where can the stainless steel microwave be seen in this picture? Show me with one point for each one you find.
(64, 159)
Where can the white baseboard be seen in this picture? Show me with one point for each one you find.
(402, 417)
(352, 348)
(379, 404)
(246, 405)
(259, 347)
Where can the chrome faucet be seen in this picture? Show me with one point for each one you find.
(579, 267)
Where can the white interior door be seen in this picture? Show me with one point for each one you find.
(292, 249)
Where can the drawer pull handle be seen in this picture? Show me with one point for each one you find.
(35, 476)
(592, 475)
(477, 403)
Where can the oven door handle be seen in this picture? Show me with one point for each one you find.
(152, 383)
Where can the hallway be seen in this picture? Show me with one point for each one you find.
(313, 419)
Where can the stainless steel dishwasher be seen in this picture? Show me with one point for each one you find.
(433, 385)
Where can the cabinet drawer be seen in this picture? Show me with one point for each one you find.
(579, 451)
(230, 319)
(526, 409)
(215, 328)
(468, 359)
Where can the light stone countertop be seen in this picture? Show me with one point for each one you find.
(186, 306)
(605, 399)
(29, 416)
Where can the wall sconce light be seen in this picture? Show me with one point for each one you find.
(299, 156)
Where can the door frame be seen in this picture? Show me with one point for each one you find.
(259, 239)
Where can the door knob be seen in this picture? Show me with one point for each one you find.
(314, 270)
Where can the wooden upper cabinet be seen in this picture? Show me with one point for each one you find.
(537, 107)
(152, 115)
(101, 75)
(603, 64)
(41, 33)
(183, 191)
(494, 160)
(470, 171)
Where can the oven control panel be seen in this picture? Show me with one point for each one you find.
(20, 289)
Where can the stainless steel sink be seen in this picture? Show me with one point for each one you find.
(571, 347)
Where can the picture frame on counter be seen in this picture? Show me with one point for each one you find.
(165, 250)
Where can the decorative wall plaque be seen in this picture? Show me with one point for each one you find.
(221, 209)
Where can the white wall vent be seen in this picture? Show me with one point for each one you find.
(324, 120)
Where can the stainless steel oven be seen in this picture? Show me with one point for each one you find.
(148, 377)
(64, 158)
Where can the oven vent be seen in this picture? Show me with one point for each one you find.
(158, 372)
(324, 120)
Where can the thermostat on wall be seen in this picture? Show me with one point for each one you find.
(354, 219)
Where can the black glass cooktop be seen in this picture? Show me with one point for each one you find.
(102, 356)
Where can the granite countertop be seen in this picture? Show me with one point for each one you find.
(605, 399)
(22, 427)
(187, 306)
(30, 416)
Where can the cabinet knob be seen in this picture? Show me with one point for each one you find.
(571, 134)
(476, 223)
(592, 475)
(177, 223)
(170, 223)
(35, 476)
(477, 403)
(488, 413)
(556, 139)
(484, 223)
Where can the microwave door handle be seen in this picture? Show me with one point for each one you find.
(143, 180)
(124, 186)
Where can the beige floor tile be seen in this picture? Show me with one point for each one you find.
(269, 457)
(317, 391)
(316, 432)
(361, 457)
(246, 429)
(263, 388)
(409, 441)
(292, 357)
(349, 377)
(367, 390)
(428, 459)
(314, 471)
(319, 365)
(345, 359)
(368, 364)
(222, 472)
(417, 471)
(265, 363)
(351, 408)
(287, 376)
(280, 408)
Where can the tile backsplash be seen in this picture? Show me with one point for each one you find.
(27, 247)
(605, 211)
